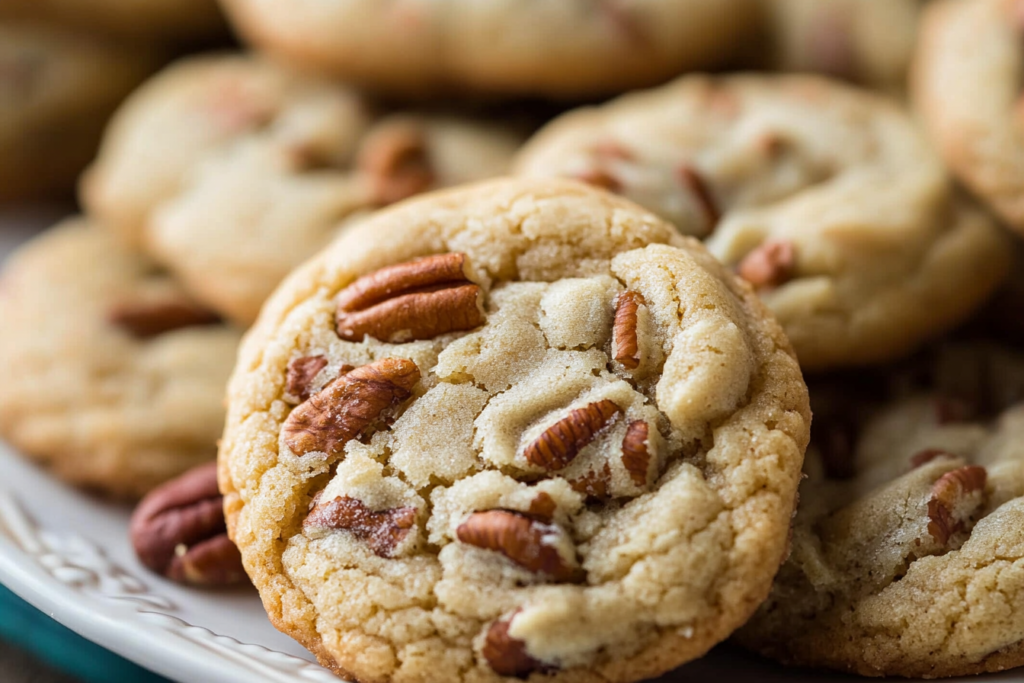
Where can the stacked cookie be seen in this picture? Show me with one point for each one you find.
(551, 426)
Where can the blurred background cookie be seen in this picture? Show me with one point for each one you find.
(57, 89)
(564, 49)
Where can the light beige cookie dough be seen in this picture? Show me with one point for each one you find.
(911, 562)
(57, 89)
(966, 85)
(113, 378)
(863, 41)
(139, 21)
(257, 168)
(826, 198)
(514, 428)
(565, 49)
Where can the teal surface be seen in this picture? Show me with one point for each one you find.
(28, 628)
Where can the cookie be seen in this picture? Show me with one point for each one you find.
(515, 427)
(260, 167)
(863, 41)
(567, 49)
(114, 379)
(966, 87)
(909, 559)
(168, 21)
(825, 197)
(57, 89)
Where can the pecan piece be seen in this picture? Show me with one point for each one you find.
(348, 405)
(695, 183)
(627, 347)
(146, 319)
(595, 484)
(636, 458)
(381, 530)
(770, 265)
(561, 442)
(506, 655)
(955, 495)
(301, 373)
(543, 507)
(397, 159)
(600, 177)
(525, 541)
(416, 300)
(926, 456)
(178, 530)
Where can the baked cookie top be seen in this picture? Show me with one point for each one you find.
(259, 167)
(565, 49)
(966, 80)
(908, 559)
(112, 376)
(863, 41)
(57, 88)
(512, 428)
(826, 198)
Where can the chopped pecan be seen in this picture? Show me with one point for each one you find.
(525, 541)
(301, 373)
(770, 265)
(543, 507)
(506, 655)
(178, 530)
(146, 319)
(955, 496)
(381, 530)
(561, 442)
(600, 177)
(416, 300)
(397, 159)
(627, 347)
(349, 405)
(595, 484)
(926, 456)
(636, 457)
(695, 183)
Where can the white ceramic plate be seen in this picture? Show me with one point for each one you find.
(68, 554)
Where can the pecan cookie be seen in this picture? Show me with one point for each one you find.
(909, 560)
(966, 84)
(517, 427)
(112, 376)
(57, 90)
(171, 21)
(259, 167)
(863, 41)
(825, 198)
(564, 49)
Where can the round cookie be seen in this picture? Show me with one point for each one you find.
(908, 560)
(178, 21)
(566, 49)
(516, 427)
(825, 197)
(57, 90)
(965, 84)
(113, 378)
(863, 41)
(260, 167)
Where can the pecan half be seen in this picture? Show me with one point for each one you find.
(178, 530)
(381, 530)
(146, 319)
(770, 265)
(636, 457)
(562, 441)
(416, 300)
(301, 373)
(397, 159)
(525, 541)
(955, 495)
(506, 655)
(627, 347)
(693, 181)
(348, 405)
